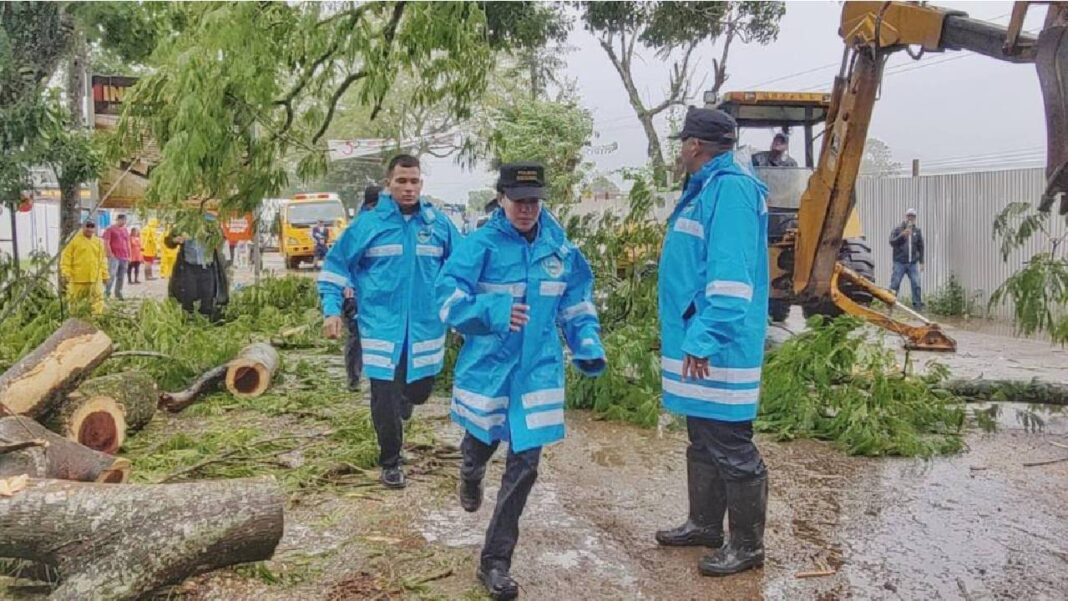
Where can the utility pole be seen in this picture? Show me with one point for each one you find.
(915, 167)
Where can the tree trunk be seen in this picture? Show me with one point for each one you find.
(134, 391)
(656, 152)
(102, 410)
(70, 192)
(41, 380)
(53, 456)
(249, 374)
(208, 381)
(121, 542)
(1014, 391)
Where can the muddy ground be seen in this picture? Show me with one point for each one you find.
(974, 526)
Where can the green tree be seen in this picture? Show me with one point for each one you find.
(550, 132)
(674, 29)
(1038, 291)
(248, 85)
(248, 89)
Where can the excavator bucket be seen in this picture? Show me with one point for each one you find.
(928, 337)
(1051, 62)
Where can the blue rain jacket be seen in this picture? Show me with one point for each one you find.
(714, 292)
(392, 263)
(510, 385)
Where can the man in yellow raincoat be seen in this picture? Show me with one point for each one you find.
(150, 246)
(84, 267)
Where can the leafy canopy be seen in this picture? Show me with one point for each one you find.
(248, 85)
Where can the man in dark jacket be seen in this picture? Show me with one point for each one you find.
(907, 242)
(199, 275)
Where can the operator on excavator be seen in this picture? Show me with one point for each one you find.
(777, 156)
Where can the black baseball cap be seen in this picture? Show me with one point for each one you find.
(523, 180)
(708, 124)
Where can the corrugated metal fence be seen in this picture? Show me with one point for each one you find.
(956, 214)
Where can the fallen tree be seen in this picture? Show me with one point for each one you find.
(42, 379)
(1015, 391)
(27, 447)
(207, 382)
(103, 409)
(249, 374)
(121, 542)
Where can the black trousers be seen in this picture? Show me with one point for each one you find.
(520, 472)
(726, 445)
(353, 349)
(387, 404)
(193, 284)
(133, 271)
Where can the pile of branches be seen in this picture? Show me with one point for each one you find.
(832, 382)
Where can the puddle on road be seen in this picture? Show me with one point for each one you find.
(1031, 418)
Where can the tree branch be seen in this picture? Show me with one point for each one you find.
(679, 83)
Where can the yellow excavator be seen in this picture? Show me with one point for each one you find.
(818, 255)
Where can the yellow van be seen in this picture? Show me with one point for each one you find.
(297, 218)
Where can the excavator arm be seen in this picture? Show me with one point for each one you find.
(872, 31)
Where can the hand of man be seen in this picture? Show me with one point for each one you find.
(695, 368)
(519, 317)
(332, 327)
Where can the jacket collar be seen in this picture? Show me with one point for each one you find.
(550, 239)
(723, 164)
(387, 208)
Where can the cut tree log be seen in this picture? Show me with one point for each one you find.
(103, 409)
(121, 542)
(208, 381)
(42, 379)
(53, 456)
(249, 374)
(1015, 391)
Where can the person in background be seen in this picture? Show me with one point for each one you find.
(83, 266)
(390, 256)
(199, 274)
(168, 254)
(777, 156)
(713, 303)
(117, 244)
(320, 236)
(150, 247)
(133, 272)
(353, 351)
(906, 240)
(510, 289)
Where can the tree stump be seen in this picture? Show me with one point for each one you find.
(45, 454)
(40, 380)
(103, 409)
(121, 542)
(249, 374)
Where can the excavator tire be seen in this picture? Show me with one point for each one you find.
(856, 255)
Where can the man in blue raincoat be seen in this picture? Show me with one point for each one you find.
(713, 318)
(391, 257)
(508, 288)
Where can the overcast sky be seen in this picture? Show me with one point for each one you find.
(942, 107)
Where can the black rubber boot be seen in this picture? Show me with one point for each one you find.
(498, 583)
(708, 503)
(747, 506)
(470, 495)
